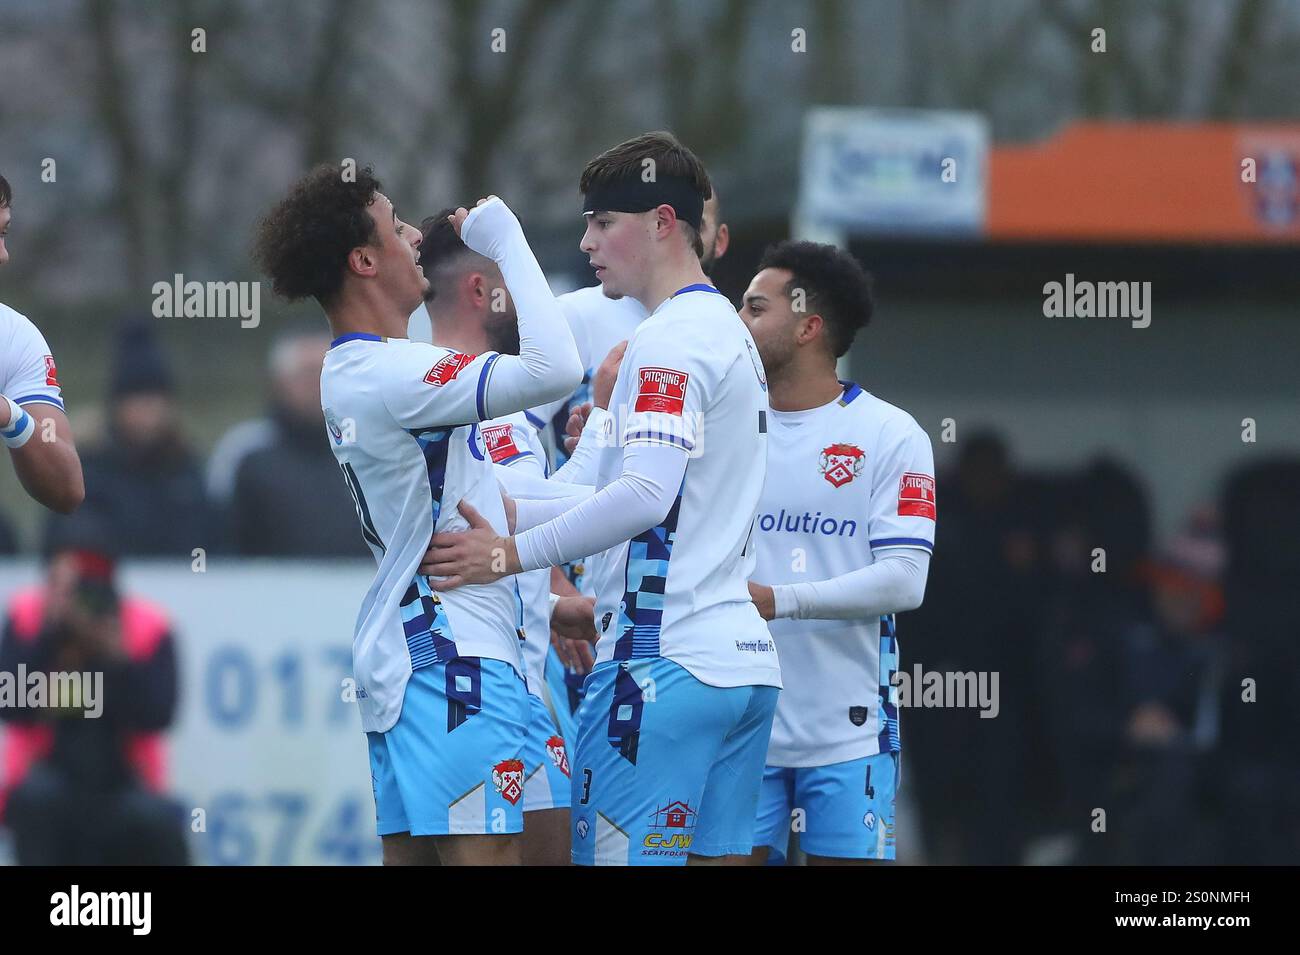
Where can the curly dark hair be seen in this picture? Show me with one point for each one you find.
(834, 286)
(303, 243)
(6, 194)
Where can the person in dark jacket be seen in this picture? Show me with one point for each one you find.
(84, 762)
(144, 479)
(286, 495)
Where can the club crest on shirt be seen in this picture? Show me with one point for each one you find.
(508, 778)
(51, 373)
(841, 463)
(555, 749)
(500, 441)
(447, 367)
(857, 715)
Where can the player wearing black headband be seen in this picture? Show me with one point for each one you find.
(673, 732)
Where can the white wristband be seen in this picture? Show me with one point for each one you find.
(21, 425)
(555, 598)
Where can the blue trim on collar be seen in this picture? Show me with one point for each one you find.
(697, 287)
(851, 391)
(356, 336)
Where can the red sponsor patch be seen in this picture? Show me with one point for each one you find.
(51, 373)
(916, 496)
(662, 389)
(555, 749)
(447, 368)
(508, 778)
(500, 441)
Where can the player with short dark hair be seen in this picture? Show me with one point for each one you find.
(470, 310)
(674, 727)
(844, 535)
(33, 424)
(439, 677)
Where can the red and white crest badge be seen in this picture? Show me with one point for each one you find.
(500, 441)
(447, 368)
(841, 463)
(508, 778)
(51, 372)
(555, 749)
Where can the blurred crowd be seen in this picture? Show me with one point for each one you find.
(1148, 690)
(1149, 693)
(270, 487)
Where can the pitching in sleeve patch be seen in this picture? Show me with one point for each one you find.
(663, 390)
(51, 373)
(916, 496)
(448, 367)
(500, 441)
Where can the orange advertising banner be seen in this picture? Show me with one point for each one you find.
(1150, 182)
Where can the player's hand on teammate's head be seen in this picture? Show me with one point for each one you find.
(457, 218)
(489, 228)
(475, 556)
(763, 599)
(603, 387)
(577, 421)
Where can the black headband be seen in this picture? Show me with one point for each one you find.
(633, 194)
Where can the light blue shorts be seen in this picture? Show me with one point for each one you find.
(841, 811)
(452, 764)
(665, 766)
(546, 761)
(564, 692)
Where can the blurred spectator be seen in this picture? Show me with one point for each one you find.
(1257, 777)
(78, 790)
(1095, 598)
(980, 614)
(275, 478)
(1171, 669)
(144, 480)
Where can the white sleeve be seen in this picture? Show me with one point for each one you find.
(547, 366)
(597, 433)
(28, 367)
(640, 498)
(903, 506)
(893, 584)
(531, 511)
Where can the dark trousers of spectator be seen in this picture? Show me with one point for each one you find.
(57, 823)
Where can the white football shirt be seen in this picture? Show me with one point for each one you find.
(845, 483)
(403, 423)
(27, 372)
(513, 442)
(691, 377)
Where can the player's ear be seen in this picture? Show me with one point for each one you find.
(721, 242)
(810, 328)
(361, 261)
(665, 219)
